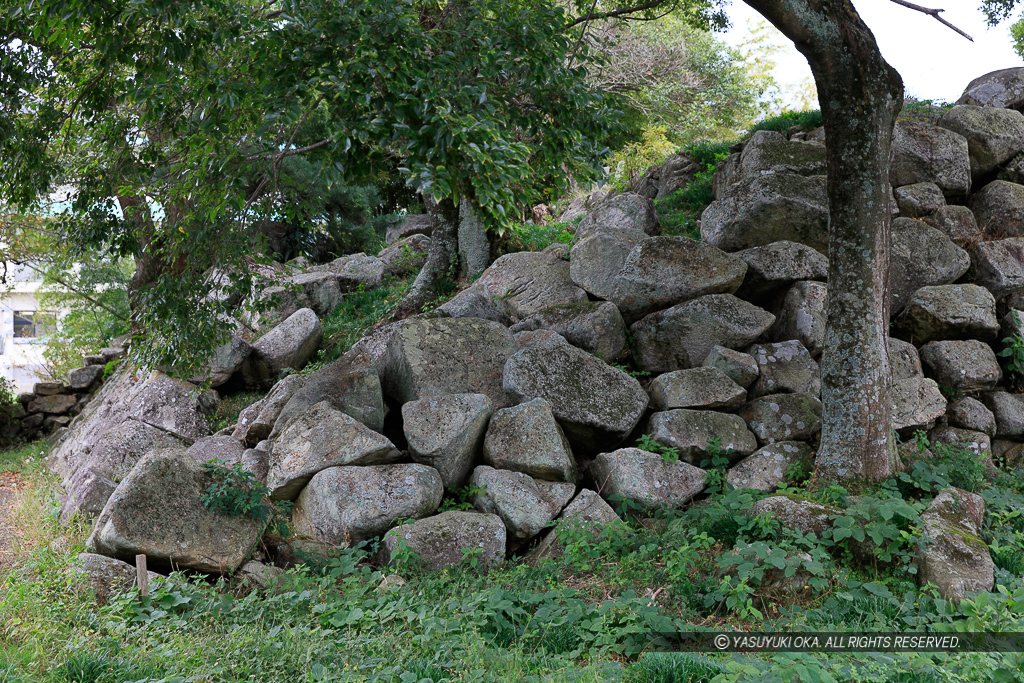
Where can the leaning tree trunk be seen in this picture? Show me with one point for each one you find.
(442, 259)
(860, 96)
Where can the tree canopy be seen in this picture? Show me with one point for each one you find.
(174, 123)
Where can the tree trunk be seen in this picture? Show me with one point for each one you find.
(442, 259)
(860, 95)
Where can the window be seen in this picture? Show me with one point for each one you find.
(32, 324)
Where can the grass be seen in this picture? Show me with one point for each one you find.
(24, 459)
(531, 237)
(594, 615)
(808, 120)
(356, 317)
(230, 407)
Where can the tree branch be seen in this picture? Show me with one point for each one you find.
(590, 16)
(932, 13)
(289, 152)
(71, 288)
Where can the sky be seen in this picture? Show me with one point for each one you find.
(935, 62)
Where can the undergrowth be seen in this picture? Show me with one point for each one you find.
(355, 318)
(606, 608)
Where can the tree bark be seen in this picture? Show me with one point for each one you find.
(860, 95)
(442, 259)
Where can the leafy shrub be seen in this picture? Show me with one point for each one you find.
(808, 120)
(532, 237)
(1013, 352)
(632, 161)
(235, 492)
(669, 454)
(230, 407)
(461, 498)
(680, 211)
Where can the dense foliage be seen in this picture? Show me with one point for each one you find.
(179, 127)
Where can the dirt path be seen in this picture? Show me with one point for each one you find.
(9, 484)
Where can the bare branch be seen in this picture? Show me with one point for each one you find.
(289, 152)
(71, 288)
(590, 16)
(932, 13)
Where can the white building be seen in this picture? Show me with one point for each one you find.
(23, 328)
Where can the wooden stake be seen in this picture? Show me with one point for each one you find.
(142, 576)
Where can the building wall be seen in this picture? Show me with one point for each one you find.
(21, 359)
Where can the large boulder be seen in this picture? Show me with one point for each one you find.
(587, 513)
(85, 495)
(319, 438)
(999, 266)
(596, 327)
(968, 365)
(738, 366)
(345, 505)
(350, 384)
(802, 316)
(919, 200)
(445, 432)
(473, 302)
(319, 291)
(771, 466)
(412, 224)
(289, 345)
(949, 312)
(770, 153)
(957, 561)
(406, 255)
(641, 274)
(970, 413)
(994, 136)
(158, 511)
(444, 540)
(106, 576)
(698, 433)
(596, 404)
(1008, 413)
(526, 438)
(516, 498)
(90, 441)
(924, 153)
(955, 222)
(435, 357)
(916, 404)
(519, 285)
(783, 417)
(625, 211)
(922, 256)
(356, 272)
(784, 367)
(775, 266)
(904, 360)
(224, 450)
(768, 209)
(673, 174)
(84, 379)
(794, 512)
(703, 387)
(226, 360)
(646, 478)
(999, 89)
(256, 421)
(682, 336)
(978, 443)
(999, 209)
(121, 446)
